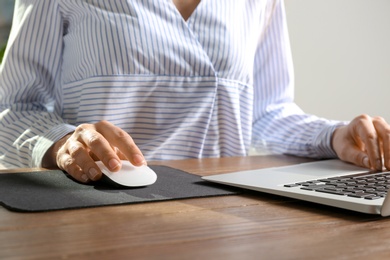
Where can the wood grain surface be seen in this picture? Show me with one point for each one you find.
(248, 226)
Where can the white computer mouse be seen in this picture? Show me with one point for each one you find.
(130, 175)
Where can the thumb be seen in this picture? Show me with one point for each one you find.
(357, 157)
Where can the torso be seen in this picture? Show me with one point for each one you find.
(176, 75)
(186, 7)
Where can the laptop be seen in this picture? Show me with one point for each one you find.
(329, 182)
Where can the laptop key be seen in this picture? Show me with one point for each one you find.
(331, 192)
(373, 198)
(291, 185)
(319, 186)
(361, 195)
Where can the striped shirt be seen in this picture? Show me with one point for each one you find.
(211, 86)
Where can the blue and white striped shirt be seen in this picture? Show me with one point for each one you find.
(210, 86)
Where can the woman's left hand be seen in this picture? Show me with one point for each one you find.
(365, 141)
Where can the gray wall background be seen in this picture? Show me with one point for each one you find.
(341, 51)
(6, 12)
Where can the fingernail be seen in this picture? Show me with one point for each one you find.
(113, 163)
(379, 165)
(366, 162)
(84, 177)
(139, 160)
(93, 173)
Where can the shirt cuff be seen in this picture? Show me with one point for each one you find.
(47, 140)
(323, 141)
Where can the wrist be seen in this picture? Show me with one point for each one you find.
(49, 160)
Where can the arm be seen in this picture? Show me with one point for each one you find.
(29, 83)
(279, 124)
(32, 132)
(282, 127)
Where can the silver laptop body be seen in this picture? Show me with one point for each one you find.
(300, 182)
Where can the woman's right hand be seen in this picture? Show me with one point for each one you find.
(77, 152)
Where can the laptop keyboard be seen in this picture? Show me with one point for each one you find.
(366, 185)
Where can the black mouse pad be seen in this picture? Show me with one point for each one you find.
(55, 190)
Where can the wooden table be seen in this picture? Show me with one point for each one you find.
(250, 226)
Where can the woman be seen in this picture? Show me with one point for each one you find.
(89, 80)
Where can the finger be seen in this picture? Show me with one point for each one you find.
(119, 153)
(81, 156)
(123, 141)
(359, 158)
(97, 143)
(67, 163)
(368, 135)
(383, 130)
(349, 147)
(115, 149)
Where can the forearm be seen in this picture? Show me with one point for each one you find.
(289, 130)
(26, 135)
